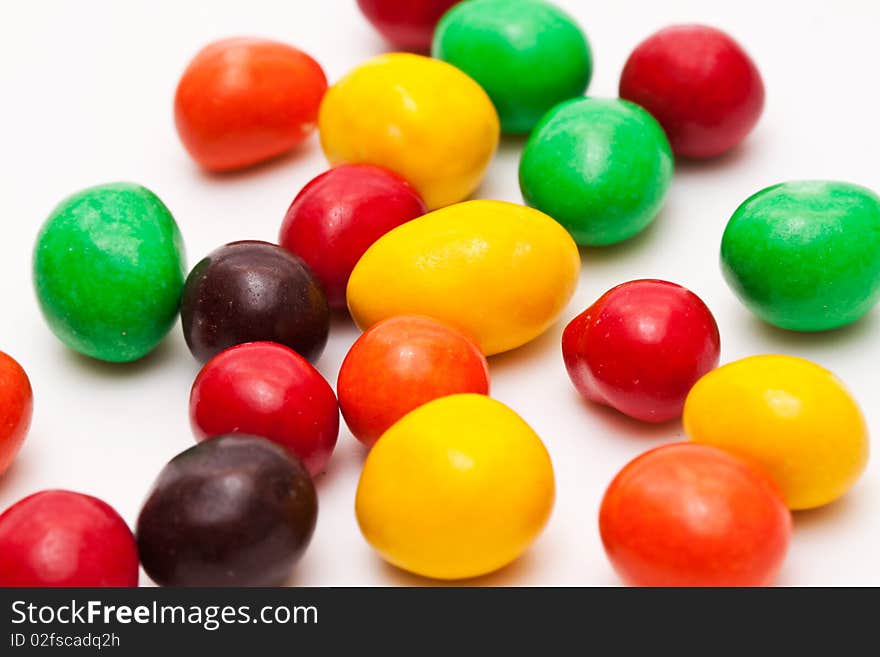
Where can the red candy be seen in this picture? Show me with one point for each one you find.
(692, 515)
(407, 24)
(267, 390)
(699, 84)
(400, 364)
(339, 214)
(242, 101)
(16, 409)
(61, 538)
(641, 347)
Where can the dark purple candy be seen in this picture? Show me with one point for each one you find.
(249, 292)
(231, 511)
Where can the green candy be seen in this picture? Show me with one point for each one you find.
(599, 167)
(805, 255)
(109, 270)
(527, 54)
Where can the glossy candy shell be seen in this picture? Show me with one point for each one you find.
(268, 390)
(599, 167)
(252, 292)
(458, 488)
(790, 416)
(528, 55)
(701, 86)
(243, 100)
(691, 515)
(400, 364)
(339, 214)
(641, 347)
(16, 409)
(108, 271)
(805, 255)
(406, 24)
(232, 511)
(417, 116)
(498, 272)
(58, 538)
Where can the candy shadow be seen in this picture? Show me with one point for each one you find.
(509, 575)
(532, 351)
(512, 145)
(619, 426)
(343, 331)
(159, 357)
(821, 518)
(733, 158)
(499, 180)
(340, 319)
(598, 255)
(266, 167)
(862, 329)
(295, 579)
(346, 462)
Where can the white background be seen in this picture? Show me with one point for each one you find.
(86, 98)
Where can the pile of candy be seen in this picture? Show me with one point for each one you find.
(455, 484)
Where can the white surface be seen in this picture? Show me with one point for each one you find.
(87, 89)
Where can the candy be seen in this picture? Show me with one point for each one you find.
(232, 511)
(400, 364)
(242, 101)
(692, 515)
(267, 390)
(498, 272)
(699, 84)
(108, 271)
(641, 347)
(458, 488)
(59, 538)
(787, 414)
(16, 409)
(528, 55)
(406, 24)
(339, 214)
(417, 116)
(805, 255)
(599, 167)
(250, 292)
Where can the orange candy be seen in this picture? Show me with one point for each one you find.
(242, 101)
(400, 364)
(16, 408)
(693, 515)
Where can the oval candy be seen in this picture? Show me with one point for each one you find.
(242, 101)
(458, 488)
(420, 117)
(805, 255)
(108, 271)
(499, 272)
(791, 416)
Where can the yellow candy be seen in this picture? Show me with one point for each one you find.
(418, 116)
(789, 415)
(497, 271)
(457, 488)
